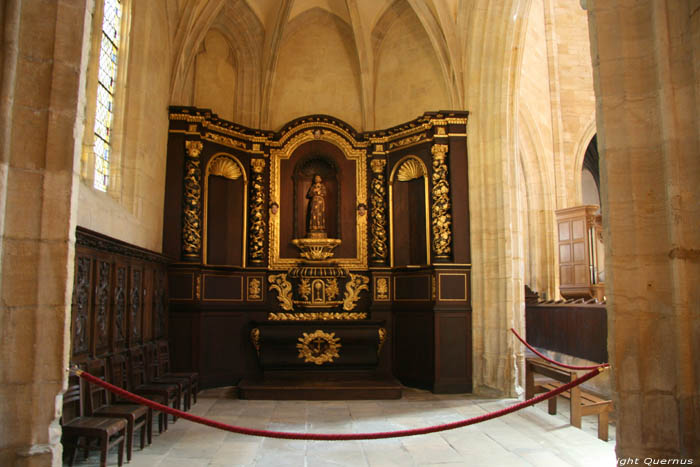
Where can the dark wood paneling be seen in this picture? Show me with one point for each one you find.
(172, 211)
(113, 295)
(579, 330)
(181, 285)
(414, 346)
(409, 222)
(81, 316)
(412, 287)
(220, 362)
(459, 190)
(222, 287)
(453, 352)
(225, 221)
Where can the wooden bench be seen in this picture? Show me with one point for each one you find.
(581, 403)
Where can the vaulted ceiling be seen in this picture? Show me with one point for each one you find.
(257, 30)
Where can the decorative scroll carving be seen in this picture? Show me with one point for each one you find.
(102, 302)
(225, 167)
(406, 141)
(280, 283)
(382, 339)
(410, 170)
(135, 304)
(225, 140)
(192, 228)
(80, 331)
(378, 211)
(255, 339)
(198, 288)
(120, 305)
(442, 219)
(316, 316)
(319, 347)
(355, 285)
(257, 218)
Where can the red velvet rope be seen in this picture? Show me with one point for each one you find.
(333, 437)
(563, 365)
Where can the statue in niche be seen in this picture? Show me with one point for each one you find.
(316, 211)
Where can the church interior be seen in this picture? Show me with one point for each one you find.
(328, 207)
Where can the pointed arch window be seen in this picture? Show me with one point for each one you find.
(106, 80)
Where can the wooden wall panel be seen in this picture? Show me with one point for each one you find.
(576, 329)
(114, 296)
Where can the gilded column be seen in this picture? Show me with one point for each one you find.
(441, 216)
(192, 205)
(257, 217)
(379, 250)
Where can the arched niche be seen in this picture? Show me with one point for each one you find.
(304, 172)
(408, 212)
(225, 197)
(343, 177)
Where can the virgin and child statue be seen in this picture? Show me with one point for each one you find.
(316, 211)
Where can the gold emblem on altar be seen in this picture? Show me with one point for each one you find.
(319, 347)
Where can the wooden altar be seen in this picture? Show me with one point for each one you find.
(375, 287)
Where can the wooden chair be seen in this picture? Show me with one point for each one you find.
(119, 376)
(108, 432)
(99, 403)
(140, 384)
(164, 369)
(155, 376)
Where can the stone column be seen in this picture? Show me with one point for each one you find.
(41, 105)
(648, 117)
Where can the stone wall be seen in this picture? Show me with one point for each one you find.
(649, 133)
(41, 99)
(132, 208)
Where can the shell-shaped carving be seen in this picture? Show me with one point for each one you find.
(409, 170)
(225, 167)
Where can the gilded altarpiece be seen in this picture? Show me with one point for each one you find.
(317, 253)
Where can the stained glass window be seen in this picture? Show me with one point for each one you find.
(106, 76)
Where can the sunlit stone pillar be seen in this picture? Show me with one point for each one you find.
(645, 57)
(41, 99)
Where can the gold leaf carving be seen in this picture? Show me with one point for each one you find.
(280, 283)
(410, 170)
(316, 316)
(304, 289)
(254, 289)
(382, 339)
(383, 288)
(406, 141)
(225, 140)
(225, 167)
(257, 212)
(319, 347)
(255, 339)
(191, 226)
(441, 216)
(354, 286)
(378, 212)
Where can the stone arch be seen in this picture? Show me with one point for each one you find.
(582, 143)
(242, 28)
(495, 44)
(540, 254)
(400, 31)
(317, 52)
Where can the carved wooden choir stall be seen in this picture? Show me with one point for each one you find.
(318, 262)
